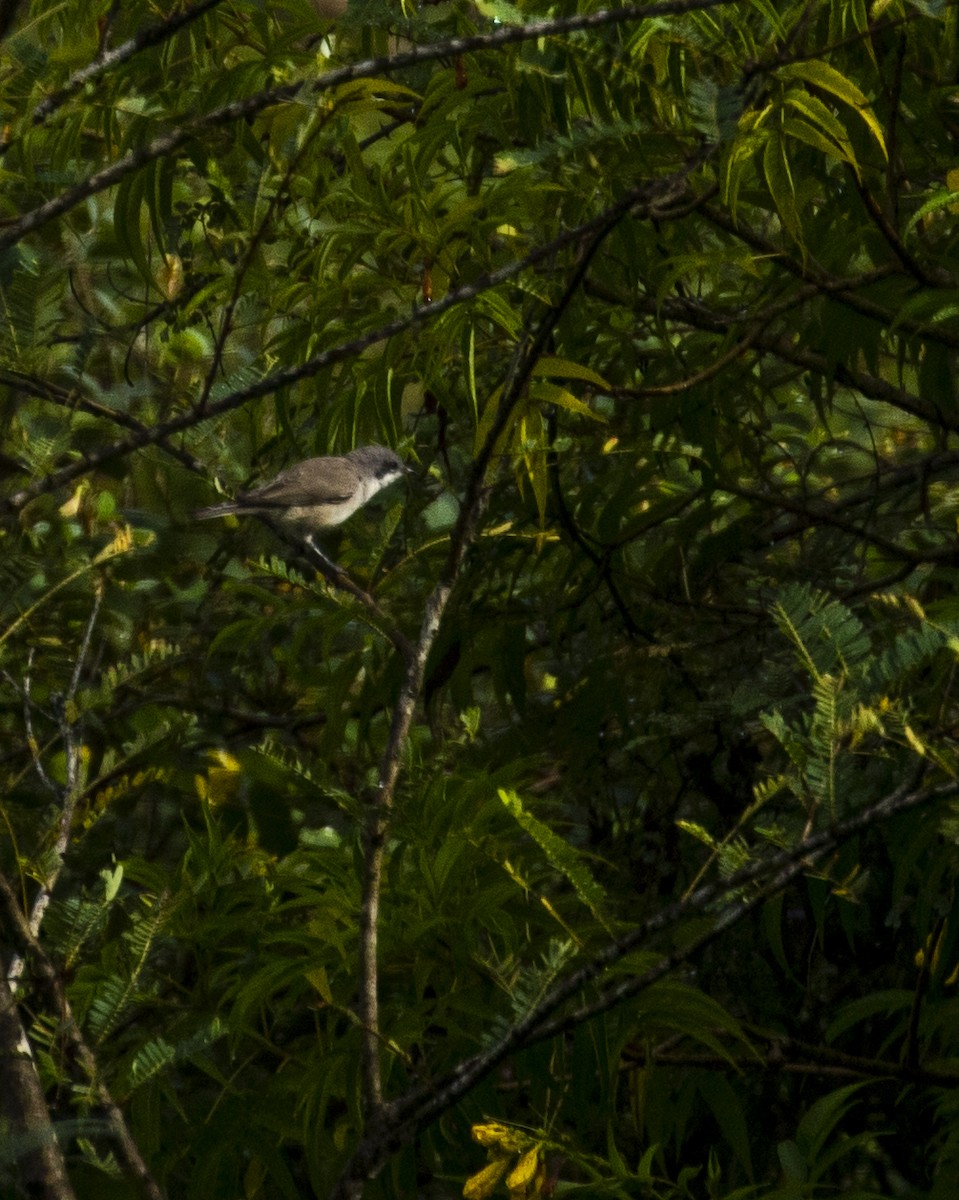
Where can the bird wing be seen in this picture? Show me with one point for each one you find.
(302, 485)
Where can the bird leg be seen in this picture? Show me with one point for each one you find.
(330, 569)
(336, 576)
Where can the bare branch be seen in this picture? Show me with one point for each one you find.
(808, 1059)
(71, 400)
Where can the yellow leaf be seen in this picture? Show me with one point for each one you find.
(482, 1184)
(72, 506)
(169, 276)
(226, 760)
(221, 782)
(821, 75)
(564, 368)
(121, 544)
(915, 742)
(524, 1172)
(550, 393)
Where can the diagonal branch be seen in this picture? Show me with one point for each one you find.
(761, 880)
(238, 110)
(784, 347)
(150, 35)
(158, 434)
(70, 399)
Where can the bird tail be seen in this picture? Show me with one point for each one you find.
(226, 509)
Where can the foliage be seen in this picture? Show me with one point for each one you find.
(603, 813)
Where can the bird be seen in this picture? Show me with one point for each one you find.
(317, 493)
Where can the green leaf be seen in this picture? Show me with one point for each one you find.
(941, 199)
(780, 183)
(150, 1060)
(727, 1109)
(836, 140)
(820, 74)
(820, 1121)
(128, 220)
(559, 854)
(562, 368)
(550, 393)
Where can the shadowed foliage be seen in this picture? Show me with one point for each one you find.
(590, 828)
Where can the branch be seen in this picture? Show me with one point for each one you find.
(68, 795)
(421, 1105)
(228, 311)
(464, 534)
(808, 1060)
(773, 875)
(49, 983)
(937, 277)
(151, 35)
(252, 105)
(829, 517)
(783, 347)
(336, 577)
(843, 290)
(269, 384)
(466, 531)
(724, 321)
(72, 400)
(24, 1110)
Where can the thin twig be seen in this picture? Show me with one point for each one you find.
(337, 577)
(378, 1114)
(754, 883)
(151, 35)
(809, 1060)
(845, 291)
(33, 743)
(240, 110)
(67, 795)
(701, 316)
(93, 459)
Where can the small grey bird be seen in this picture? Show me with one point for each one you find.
(317, 493)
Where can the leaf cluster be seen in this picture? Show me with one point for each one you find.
(653, 660)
